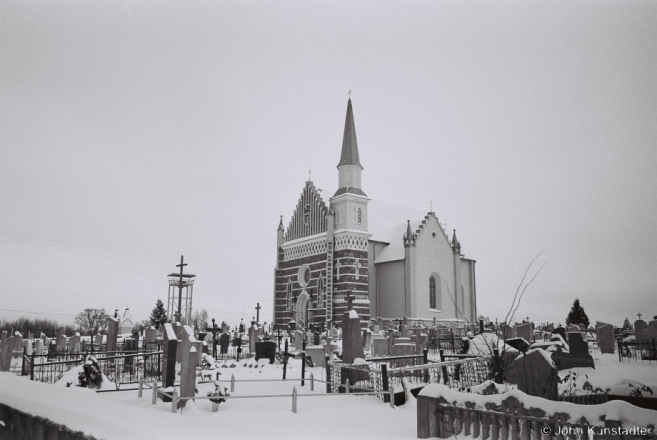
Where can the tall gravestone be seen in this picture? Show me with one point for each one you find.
(352, 343)
(75, 343)
(524, 331)
(534, 375)
(61, 340)
(6, 353)
(98, 341)
(18, 344)
(188, 363)
(645, 332)
(151, 339)
(38, 346)
(253, 338)
(112, 333)
(605, 334)
(169, 348)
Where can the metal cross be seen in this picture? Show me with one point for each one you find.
(258, 313)
(349, 93)
(309, 172)
(639, 315)
(431, 205)
(180, 286)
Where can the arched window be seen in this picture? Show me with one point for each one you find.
(432, 293)
(289, 303)
(360, 216)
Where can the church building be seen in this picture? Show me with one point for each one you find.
(359, 251)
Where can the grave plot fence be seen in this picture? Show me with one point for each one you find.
(120, 369)
(637, 351)
(381, 376)
(449, 344)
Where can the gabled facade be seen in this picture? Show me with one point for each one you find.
(328, 255)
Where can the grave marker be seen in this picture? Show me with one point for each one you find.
(112, 333)
(605, 335)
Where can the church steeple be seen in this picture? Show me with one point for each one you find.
(349, 154)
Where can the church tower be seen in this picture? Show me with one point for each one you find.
(350, 234)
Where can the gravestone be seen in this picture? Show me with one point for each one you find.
(329, 348)
(253, 338)
(534, 374)
(265, 350)
(519, 344)
(577, 357)
(151, 339)
(6, 353)
(645, 332)
(403, 349)
(224, 343)
(352, 344)
(75, 343)
(61, 340)
(129, 345)
(38, 346)
(420, 341)
(169, 348)
(18, 344)
(403, 341)
(366, 336)
(605, 335)
(380, 347)
(188, 362)
(574, 329)
(112, 333)
(524, 331)
(561, 332)
(199, 351)
(316, 339)
(317, 355)
(98, 341)
(298, 340)
(27, 346)
(404, 331)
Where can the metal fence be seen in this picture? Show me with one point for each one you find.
(449, 344)
(381, 376)
(637, 351)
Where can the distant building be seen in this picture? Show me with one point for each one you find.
(394, 268)
(126, 324)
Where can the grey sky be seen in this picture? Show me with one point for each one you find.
(134, 132)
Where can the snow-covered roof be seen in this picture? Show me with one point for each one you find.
(387, 223)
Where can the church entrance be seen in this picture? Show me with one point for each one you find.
(303, 304)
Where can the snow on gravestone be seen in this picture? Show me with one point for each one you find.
(188, 363)
(352, 344)
(170, 349)
(534, 374)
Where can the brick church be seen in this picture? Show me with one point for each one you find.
(362, 251)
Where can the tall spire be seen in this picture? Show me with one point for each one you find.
(349, 154)
(280, 224)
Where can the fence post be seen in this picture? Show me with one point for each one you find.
(328, 375)
(154, 400)
(384, 382)
(425, 352)
(620, 358)
(444, 369)
(215, 407)
(312, 382)
(23, 372)
(232, 383)
(347, 386)
(141, 388)
(294, 399)
(303, 370)
(174, 402)
(32, 367)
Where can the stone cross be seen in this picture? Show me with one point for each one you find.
(258, 313)
(350, 299)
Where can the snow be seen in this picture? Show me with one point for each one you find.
(484, 344)
(543, 353)
(353, 314)
(595, 415)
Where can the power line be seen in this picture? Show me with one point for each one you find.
(36, 313)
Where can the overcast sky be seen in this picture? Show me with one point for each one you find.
(133, 132)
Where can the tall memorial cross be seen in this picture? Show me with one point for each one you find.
(180, 286)
(258, 313)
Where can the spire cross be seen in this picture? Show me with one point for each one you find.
(349, 93)
(431, 205)
(639, 315)
(180, 286)
(258, 312)
(309, 172)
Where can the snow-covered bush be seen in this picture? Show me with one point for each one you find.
(217, 393)
(90, 376)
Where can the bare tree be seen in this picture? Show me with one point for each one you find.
(92, 321)
(200, 319)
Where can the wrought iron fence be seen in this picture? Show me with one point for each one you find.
(449, 344)
(637, 351)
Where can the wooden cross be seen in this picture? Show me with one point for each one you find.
(639, 315)
(258, 313)
(350, 299)
(180, 286)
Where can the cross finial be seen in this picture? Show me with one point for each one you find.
(309, 173)
(431, 205)
(349, 93)
(639, 315)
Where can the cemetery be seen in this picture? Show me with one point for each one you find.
(414, 379)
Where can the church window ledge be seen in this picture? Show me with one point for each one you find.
(435, 311)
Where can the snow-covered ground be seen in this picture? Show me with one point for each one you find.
(121, 415)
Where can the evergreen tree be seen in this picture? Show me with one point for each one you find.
(577, 315)
(627, 325)
(159, 315)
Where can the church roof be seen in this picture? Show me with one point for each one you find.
(387, 223)
(349, 155)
